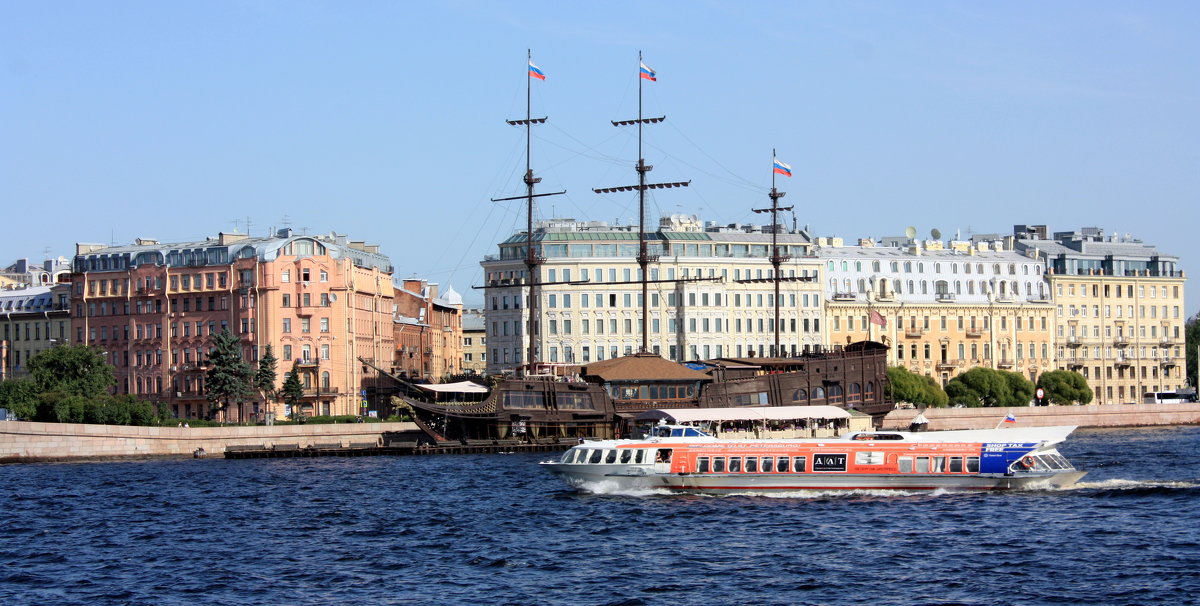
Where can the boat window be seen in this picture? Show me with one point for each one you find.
(701, 464)
(596, 456)
(625, 455)
(799, 464)
(1063, 463)
(718, 464)
(782, 465)
(922, 465)
(766, 464)
(612, 457)
(638, 456)
(751, 464)
(735, 464)
(955, 464)
(972, 464)
(663, 455)
(868, 458)
(906, 465)
(937, 464)
(569, 456)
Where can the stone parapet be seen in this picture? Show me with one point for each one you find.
(26, 441)
(1105, 415)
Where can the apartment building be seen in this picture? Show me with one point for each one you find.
(321, 302)
(942, 308)
(710, 289)
(1119, 306)
(32, 319)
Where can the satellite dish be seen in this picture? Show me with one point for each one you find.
(935, 233)
(333, 296)
(910, 232)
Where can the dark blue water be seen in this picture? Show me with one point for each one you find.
(495, 529)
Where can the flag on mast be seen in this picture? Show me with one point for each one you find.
(782, 169)
(648, 73)
(536, 72)
(877, 318)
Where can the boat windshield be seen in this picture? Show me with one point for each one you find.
(672, 431)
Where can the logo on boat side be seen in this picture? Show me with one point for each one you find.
(829, 462)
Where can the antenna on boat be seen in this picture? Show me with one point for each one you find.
(533, 258)
(644, 257)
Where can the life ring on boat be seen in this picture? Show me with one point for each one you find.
(1026, 463)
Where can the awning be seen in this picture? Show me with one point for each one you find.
(460, 387)
(745, 413)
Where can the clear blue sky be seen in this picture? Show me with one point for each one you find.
(385, 120)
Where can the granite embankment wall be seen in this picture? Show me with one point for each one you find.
(1114, 415)
(24, 441)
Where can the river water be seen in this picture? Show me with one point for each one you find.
(495, 529)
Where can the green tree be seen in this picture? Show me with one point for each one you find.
(71, 369)
(293, 391)
(1191, 336)
(1065, 387)
(266, 376)
(20, 397)
(230, 376)
(987, 387)
(905, 386)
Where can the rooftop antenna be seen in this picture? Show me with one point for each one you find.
(910, 232)
(643, 258)
(777, 258)
(533, 258)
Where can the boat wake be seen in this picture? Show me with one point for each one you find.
(1115, 488)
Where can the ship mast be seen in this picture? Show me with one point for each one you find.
(777, 258)
(533, 257)
(644, 258)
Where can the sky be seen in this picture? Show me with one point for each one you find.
(385, 121)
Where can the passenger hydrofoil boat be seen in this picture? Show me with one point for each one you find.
(686, 460)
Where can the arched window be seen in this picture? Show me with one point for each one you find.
(325, 380)
(911, 289)
(855, 393)
(800, 395)
(835, 394)
(818, 393)
(908, 267)
(870, 395)
(858, 266)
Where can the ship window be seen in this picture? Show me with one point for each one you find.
(938, 465)
(799, 464)
(638, 457)
(972, 464)
(569, 456)
(906, 465)
(922, 464)
(868, 458)
(701, 464)
(625, 455)
(751, 464)
(735, 464)
(596, 455)
(782, 465)
(663, 456)
(955, 464)
(611, 457)
(767, 462)
(718, 464)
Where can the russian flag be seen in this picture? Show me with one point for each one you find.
(1010, 419)
(648, 73)
(536, 72)
(782, 169)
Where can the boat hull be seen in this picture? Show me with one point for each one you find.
(630, 478)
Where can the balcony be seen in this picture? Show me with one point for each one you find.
(913, 333)
(1073, 341)
(1124, 362)
(888, 296)
(306, 362)
(844, 296)
(305, 310)
(947, 365)
(1121, 341)
(1074, 365)
(1167, 342)
(1005, 364)
(945, 297)
(974, 333)
(322, 391)
(1168, 362)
